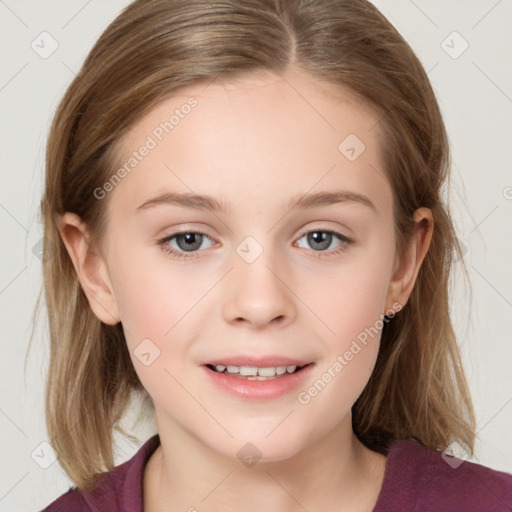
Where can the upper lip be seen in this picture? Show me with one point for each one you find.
(257, 361)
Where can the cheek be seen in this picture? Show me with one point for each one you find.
(161, 304)
(149, 297)
(354, 311)
(153, 305)
(353, 307)
(351, 297)
(147, 307)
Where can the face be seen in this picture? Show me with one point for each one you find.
(259, 281)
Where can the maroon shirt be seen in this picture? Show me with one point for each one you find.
(416, 479)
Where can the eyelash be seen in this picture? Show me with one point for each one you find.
(163, 243)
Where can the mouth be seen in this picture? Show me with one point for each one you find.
(258, 378)
(256, 372)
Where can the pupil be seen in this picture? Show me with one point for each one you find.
(324, 239)
(190, 243)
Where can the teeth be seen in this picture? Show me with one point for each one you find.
(246, 370)
(267, 372)
(252, 371)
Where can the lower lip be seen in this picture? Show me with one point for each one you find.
(259, 389)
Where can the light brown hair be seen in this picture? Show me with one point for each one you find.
(151, 50)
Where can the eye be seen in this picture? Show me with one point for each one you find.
(320, 240)
(186, 242)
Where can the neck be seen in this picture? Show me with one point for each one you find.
(337, 472)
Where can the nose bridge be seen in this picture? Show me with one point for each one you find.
(258, 293)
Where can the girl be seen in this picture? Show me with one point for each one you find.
(243, 208)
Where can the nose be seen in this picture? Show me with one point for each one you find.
(258, 294)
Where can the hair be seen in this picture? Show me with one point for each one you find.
(152, 49)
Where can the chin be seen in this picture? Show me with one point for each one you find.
(261, 446)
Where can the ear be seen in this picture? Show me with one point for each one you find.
(406, 271)
(90, 267)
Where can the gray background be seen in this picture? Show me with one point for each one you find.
(474, 88)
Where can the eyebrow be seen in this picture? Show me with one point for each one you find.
(300, 201)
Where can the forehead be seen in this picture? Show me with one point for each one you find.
(289, 133)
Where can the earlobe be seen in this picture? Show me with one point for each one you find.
(406, 272)
(90, 268)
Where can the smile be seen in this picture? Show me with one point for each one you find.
(257, 383)
(253, 372)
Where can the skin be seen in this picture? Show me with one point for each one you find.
(253, 143)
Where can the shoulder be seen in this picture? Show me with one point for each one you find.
(118, 490)
(71, 500)
(418, 478)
